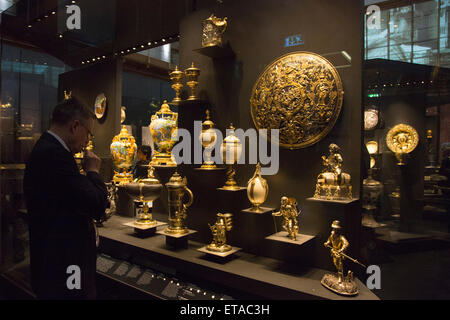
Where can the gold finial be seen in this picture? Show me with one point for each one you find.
(67, 96)
(165, 107)
(207, 114)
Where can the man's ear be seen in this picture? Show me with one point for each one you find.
(74, 125)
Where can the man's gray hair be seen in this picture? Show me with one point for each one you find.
(69, 110)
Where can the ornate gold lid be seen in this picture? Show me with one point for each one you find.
(151, 179)
(207, 124)
(192, 69)
(231, 137)
(176, 181)
(165, 111)
(176, 72)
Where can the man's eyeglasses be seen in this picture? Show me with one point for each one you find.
(91, 136)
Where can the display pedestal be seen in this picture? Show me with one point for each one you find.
(317, 217)
(144, 231)
(216, 52)
(219, 256)
(124, 203)
(263, 210)
(282, 236)
(232, 200)
(177, 241)
(299, 251)
(250, 228)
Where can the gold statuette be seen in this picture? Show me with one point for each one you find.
(301, 95)
(289, 212)
(176, 77)
(338, 244)
(213, 28)
(176, 189)
(192, 75)
(223, 224)
(402, 139)
(332, 183)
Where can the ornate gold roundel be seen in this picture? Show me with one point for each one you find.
(300, 94)
(402, 138)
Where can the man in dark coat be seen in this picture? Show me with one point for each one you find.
(62, 204)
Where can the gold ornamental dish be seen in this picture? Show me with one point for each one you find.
(402, 139)
(300, 94)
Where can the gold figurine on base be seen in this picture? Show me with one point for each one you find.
(289, 212)
(223, 224)
(338, 244)
(332, 183)
(176, 77)
(192, 75)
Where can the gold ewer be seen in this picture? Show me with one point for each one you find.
(176, 189)
(176, 77)
(192, 75)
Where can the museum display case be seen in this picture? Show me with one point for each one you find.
(232, 97)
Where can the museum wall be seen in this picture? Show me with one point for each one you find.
(256, 33)
(85, 84)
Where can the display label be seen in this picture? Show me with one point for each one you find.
(294, 40)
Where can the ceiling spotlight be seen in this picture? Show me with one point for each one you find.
(29, 26)
(53, 12)
(82, 62)
(128, 50)
(104, 57)
(134, 48)
(142, 46)
(163, 40)
(39, 19)
(122, 52)
(60, 35)
(149, 43)
(46, 16)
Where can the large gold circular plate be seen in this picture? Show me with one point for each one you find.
(300, 94)
(402, 138)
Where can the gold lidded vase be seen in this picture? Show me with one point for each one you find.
(163, 129)
(231, 150)
(176, 76)
(208, 139)
(123, 150)
(257, 189)
(192, 75)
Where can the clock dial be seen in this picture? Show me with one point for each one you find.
(370, 119)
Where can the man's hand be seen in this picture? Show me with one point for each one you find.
(91, 162)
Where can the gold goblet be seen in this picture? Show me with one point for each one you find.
(176, 76)
(192, 75)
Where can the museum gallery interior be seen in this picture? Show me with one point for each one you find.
(279, 150)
